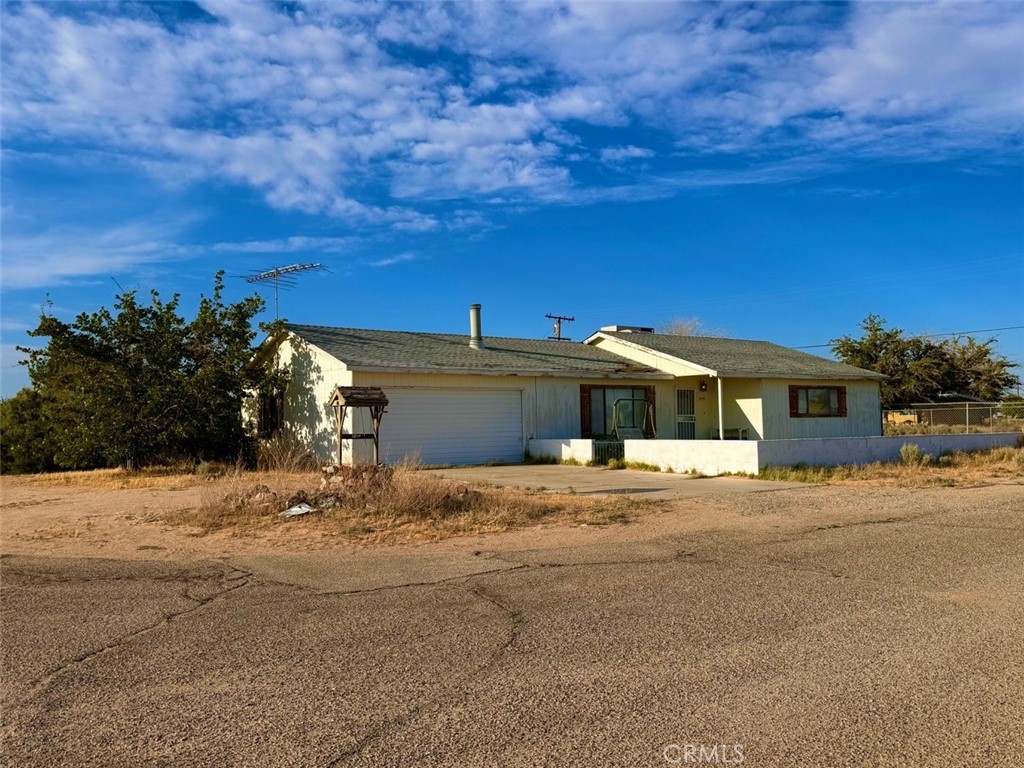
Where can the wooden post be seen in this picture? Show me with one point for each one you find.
(372, 398)
(375, 414)
(341, 423)
(721, 422)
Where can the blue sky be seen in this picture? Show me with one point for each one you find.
(778, 171)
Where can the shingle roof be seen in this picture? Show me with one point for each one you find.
(739, 357)
(402, 350)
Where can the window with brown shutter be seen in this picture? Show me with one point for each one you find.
(817, 402)
(269, 413)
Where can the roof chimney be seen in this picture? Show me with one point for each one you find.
(476, 341)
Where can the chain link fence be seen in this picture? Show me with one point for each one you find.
(954, 418)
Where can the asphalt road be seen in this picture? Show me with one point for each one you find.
(895, 639)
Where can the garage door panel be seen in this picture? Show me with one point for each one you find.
(452, 426)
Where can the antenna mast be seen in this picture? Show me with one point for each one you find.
(282, 276)
(557, 330)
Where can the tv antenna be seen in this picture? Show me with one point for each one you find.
(282, 277)
(557, 330)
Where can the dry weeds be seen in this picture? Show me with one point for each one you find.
(994, 425)
(284, 453)
(959, 469)
(402, 504)
(168, 478)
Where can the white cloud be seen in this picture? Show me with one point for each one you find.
(319, 109)
(392, 260)
(907, 61)
(620, 154)
(64, 255)
(294, 244)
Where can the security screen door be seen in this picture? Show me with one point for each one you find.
(686, 414)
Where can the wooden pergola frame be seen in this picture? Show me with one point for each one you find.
(372, 398)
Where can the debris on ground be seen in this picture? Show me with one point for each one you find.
(360, 479)
(259, 496)
(364, 488)
(297, 510)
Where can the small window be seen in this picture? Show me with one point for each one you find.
(269, 413)
(817, 402)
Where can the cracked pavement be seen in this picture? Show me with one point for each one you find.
(821, 626)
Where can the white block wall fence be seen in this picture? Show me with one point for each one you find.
(564, 450)
(864, 450)
(709, 457)
(716, 457)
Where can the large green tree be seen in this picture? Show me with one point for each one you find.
(921, 370)
(26, 445)
(141, 384)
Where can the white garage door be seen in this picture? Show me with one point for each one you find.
(452, 426)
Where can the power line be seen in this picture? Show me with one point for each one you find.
(933, 335)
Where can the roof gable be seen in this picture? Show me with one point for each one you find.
(736, 357)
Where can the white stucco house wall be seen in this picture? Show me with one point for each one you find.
(755, 390)
(470, 399)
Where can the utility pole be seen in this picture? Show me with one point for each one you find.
(557, 330)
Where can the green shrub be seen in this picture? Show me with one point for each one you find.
(210, 469)
(643, 466)
(911, 455)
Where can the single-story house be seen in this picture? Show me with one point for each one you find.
(470, 399)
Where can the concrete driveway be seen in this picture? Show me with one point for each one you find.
(595, 480)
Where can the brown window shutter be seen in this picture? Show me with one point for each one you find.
(279, 410)
(842, 401)
(585, 419)
(793, 401)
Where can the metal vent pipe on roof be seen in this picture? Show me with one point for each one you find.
(476, 341)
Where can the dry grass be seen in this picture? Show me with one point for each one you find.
(284, 453)
(401, 505)
(916, 469)
(994, 425)
(167, 478)
(213, 474)
(642, 466)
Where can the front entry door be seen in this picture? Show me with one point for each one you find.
(686, 414)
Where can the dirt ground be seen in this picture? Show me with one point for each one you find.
(72, 521)
(809, 625)
(69, 521)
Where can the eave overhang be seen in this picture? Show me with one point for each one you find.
(560, 374)
(653, 353)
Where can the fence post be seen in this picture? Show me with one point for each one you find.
(967, 417)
